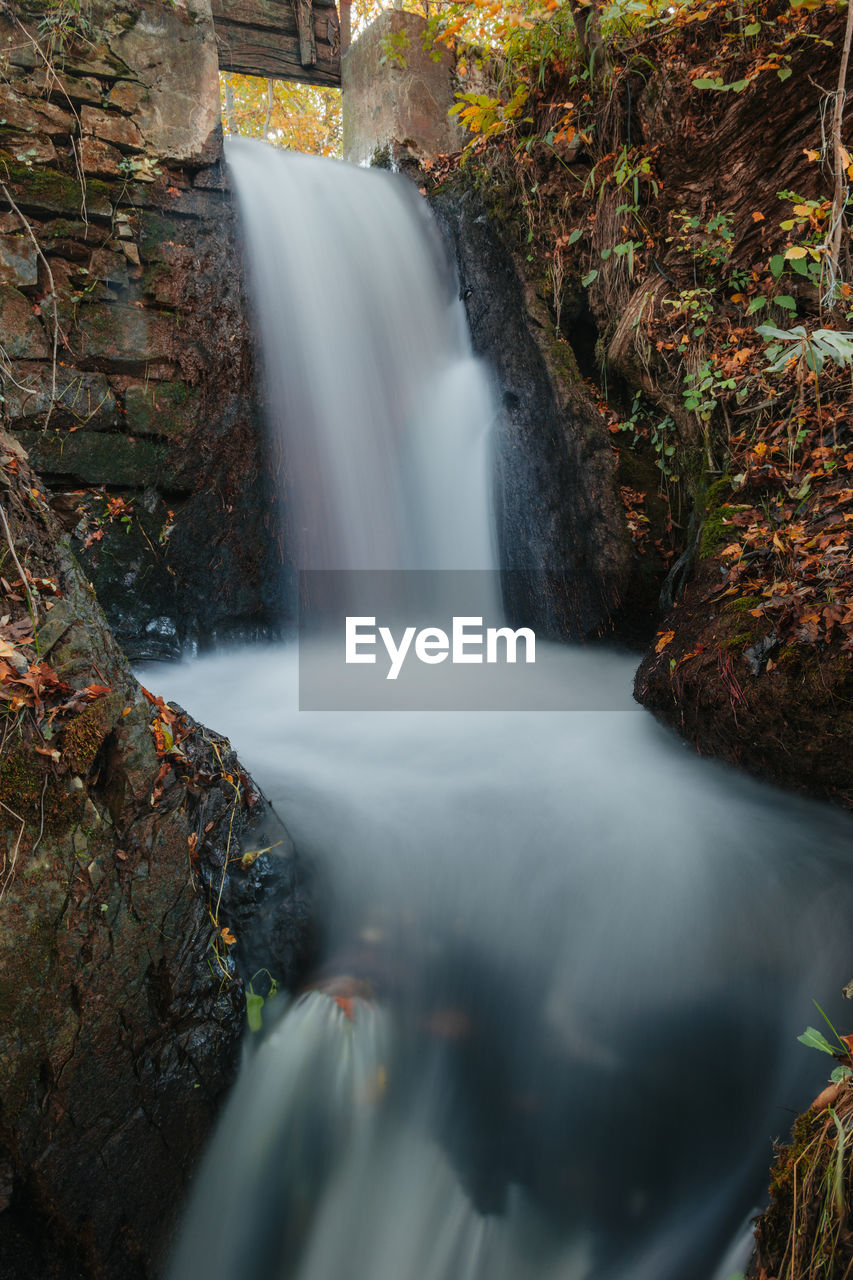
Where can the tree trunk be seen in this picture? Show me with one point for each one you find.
(588, 27)
(840, 196)
(346, 25)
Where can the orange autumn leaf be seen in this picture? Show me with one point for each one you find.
(345, 1004)
(227, 937)
(663, 640)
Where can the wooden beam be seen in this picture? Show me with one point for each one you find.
(275, 14)
(305, 27)
(262, 38)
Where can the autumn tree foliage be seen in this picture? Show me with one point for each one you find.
(298, 117)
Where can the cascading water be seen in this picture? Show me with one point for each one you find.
(381, 409)
(568, 959)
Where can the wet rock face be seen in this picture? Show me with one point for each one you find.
(121, 1010)
(721, 677)
(140, 379)
(561, 524)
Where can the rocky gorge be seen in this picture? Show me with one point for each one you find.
(142, 518)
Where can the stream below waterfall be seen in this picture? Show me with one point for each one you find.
(571, 958)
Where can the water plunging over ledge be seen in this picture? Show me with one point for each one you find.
(567, 959)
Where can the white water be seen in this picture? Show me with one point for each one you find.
(381, 410)
(590, 951)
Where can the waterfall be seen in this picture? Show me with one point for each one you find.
(381, 411)
(567, 961)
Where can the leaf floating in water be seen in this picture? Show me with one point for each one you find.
(345, 1003)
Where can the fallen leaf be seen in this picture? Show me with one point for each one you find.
(826, 1098)
(663, 640)
(345, 1003)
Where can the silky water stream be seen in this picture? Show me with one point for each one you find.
(580, 956)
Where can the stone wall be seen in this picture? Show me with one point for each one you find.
(126, 360)
(397, 93)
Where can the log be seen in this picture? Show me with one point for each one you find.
(305, 27)
(277, 15)
(262, 38)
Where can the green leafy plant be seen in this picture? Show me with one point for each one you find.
(64, 21)
(814, 1039)
(696, 304)
(625, 249)
(704, 388)
(484, 114)
(814, 349)
(645, 423)
(255, 1001)
(806, 257)
(709, 242)
(394, 49)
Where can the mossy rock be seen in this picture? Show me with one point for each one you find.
(29, 789)
(84, 735)
(154, 232)
(98, 457)
(162, 408)
(718, 493)
(715, 533)
(47, 191)
(743, 604)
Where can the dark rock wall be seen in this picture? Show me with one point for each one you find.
(561, 525)
(139, 381)
(121, 1013)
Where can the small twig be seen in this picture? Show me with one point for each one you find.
(7, 196)
(9, 869)
(31, 601)
(270, 105)
(41, 824)
(6, 370)
(230, 120)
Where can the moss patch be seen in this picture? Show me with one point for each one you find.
(47, 191)
(83, 736)
(28, 788)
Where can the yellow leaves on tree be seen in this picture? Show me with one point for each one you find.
(297, 117)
